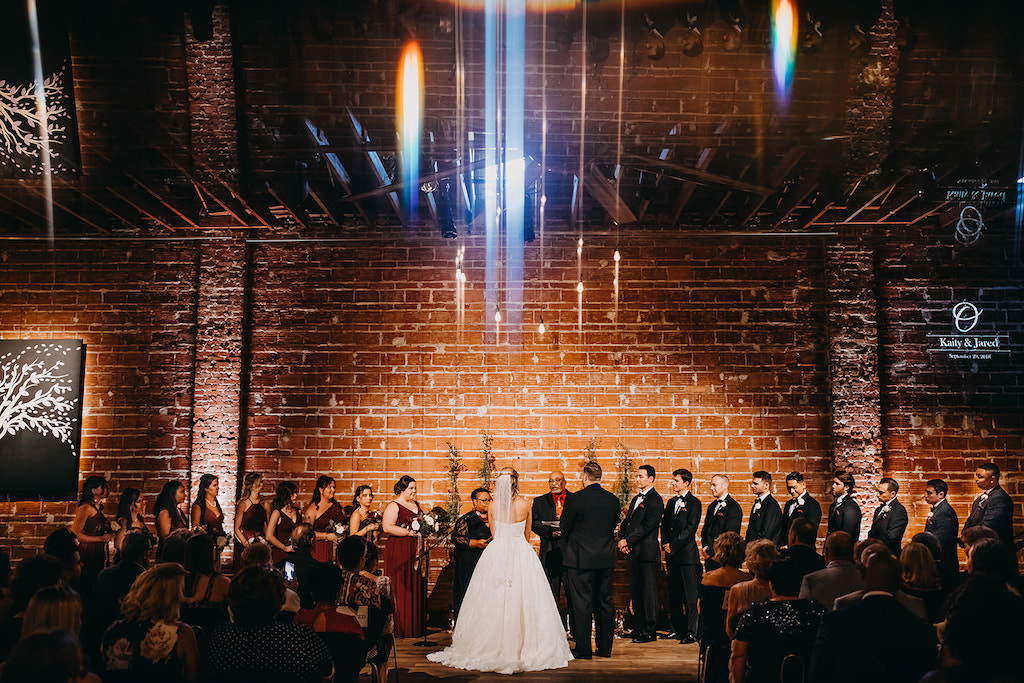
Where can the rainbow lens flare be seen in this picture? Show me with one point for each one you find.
(408, 116)
(784, 36)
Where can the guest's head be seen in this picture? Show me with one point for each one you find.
(156, 594)
(882, 572)
(644, 477)
(53, 608)
(173, 549)
(556, 483)
(839, 547)
(984, 630)
(324, 489)
(352, 552)
(33, 573)
(252, 482)
(842, 483)
(802, 532)
(935, 491)
(47, 657)
(405, 487)
(681, 480)
(513, 478)
(255, 555)
(200, 555)
(302, 538)
(977, 534)
(94, 490)
(918, 566)
(171, 496)
(784, 578)
(285, 495)
(209, 487)
(370, 559)
(719, 485)
(930, 541)
(128, 505)
(323, 581)
(363, 496)
(481, 498)
(591, 472)
(992, 557)
(729, 549)
(759, 556)
(63, 544)
(795, 484)
(760, 483)
(986, 476)
(886, 489)
(256, 596)
(134, 547)
(5, 570)
(866, 548)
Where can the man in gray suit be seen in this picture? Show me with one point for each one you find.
(840, 575)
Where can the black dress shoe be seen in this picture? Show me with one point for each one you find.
(576, 654)
(603, 654)
(688, 638)
(671, 635)
(644, 638)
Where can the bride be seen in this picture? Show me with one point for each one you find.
(509, 621)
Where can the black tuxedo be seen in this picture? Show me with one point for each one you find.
(856, 629)
(888, 527)
(995, 512)
(639, 530)
(682, 563)
(551, 548)
(845, 517)
(943, 524)
(809, 510)
(719, 519)
(588, 535)
(766, 522)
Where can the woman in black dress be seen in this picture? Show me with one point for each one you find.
(92, 529)
(129, 517)
(284, 515)
(167, 510)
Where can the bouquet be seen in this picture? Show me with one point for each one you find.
(340, 529)
(220, 539)
(257, 539)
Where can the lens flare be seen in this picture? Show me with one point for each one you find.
(784, 35)
(409, 114)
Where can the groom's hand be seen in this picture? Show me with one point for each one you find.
(667, 548)
(624, 547)
(703, 553)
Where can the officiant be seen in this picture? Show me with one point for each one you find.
(547, 510)
(470, 536)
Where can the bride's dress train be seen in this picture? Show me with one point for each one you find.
(509, 621)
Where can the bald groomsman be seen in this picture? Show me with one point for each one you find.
(890, 519)
(765, 519)
(844, 513)
(994, 507)
(547, 510)
(724, 514)
(800, 504)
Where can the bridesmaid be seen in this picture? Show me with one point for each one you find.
(129, 516)
(206, 508)
(322, 514)
(250, 512)
(284, 515)
(91, 528)
(167, 509)
(361, 523)
(407, 581)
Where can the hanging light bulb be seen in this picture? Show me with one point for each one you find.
(497, 316)
(540, 328)
(617, 257)
(579, 287)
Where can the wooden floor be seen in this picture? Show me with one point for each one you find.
(664, 660)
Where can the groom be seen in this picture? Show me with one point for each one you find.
(588, 527)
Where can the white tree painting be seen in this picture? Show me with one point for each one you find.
(21, 145)
(37, 393)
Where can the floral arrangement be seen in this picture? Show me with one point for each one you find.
(433, 523)
(623, 488)
(590, 452)
(257, 539)
(340, 528)
(220, 538)
(455, 466)
(487, 462)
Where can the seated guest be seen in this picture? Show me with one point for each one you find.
(974, 534)
(257, 646)
(361, 587)
(114, 582)
(801, 547)
(921, 579)
(302, 561)
(905, 655)
(337, 626)
(47, 657)
(54, 608)
(992, 557)
(205, 600)
(151, 644)
(259, 555)
(759, 556)
(173, 548)
(771, 631)
(63, 545)
(6, 603)
(839, 577)
(931, 542)
(915, 605)
(33, 573)
(714, 641)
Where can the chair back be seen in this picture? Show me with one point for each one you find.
(792, 669)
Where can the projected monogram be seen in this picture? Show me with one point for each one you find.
(37, 394)
(966, 316)
(969, 226)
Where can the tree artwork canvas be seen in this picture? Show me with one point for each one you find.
(40, 418)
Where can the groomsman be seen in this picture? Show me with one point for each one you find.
(724, 514)
(682, 563)
(765, 519)
(548, 508)
(639, 541)
(470, 536)
(800, 504)
(890, 520)
(942, 523)
(994, 507)
(588, 535)
(844, 513)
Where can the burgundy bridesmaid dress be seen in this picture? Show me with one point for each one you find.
(408, 582)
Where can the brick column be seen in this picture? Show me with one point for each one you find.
(212, 96)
